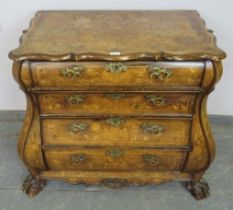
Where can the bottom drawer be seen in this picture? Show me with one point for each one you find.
(108, 159)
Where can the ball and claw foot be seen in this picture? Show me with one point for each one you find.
(32, 186)
(199, 190)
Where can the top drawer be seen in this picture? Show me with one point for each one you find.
(117, 74)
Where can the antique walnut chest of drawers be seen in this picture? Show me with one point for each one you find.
(117, 98)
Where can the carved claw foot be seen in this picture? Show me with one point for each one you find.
(33, 186)
(199, 190)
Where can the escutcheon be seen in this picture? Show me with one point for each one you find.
(116, 67)
(72, 71)
(77, 158)
(160, 73)
(152, 128)
(75, 128)
(115, 121)
(155, 100)
(150, 160)
(115, 153)
(75, 99)
(116, 96)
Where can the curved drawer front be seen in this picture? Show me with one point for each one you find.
(115, 159)
(116, 103)
(116, 131)
(80, 74)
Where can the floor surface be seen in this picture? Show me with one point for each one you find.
(60, 196)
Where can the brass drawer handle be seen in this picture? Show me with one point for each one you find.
(115, 153)
(150, 160)
(75, 99)
(114, 183)
(116, 96)
(160, 73)
(152, 128)
(115, 67)
(72, 71)
(77, 158)
(155, 100)
(115, 121)
(75, 128)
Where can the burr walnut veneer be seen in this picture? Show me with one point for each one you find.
(117, 98)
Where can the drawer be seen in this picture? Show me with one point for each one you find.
(116, 103)
(116, 131)
(119, 159)
(80, 74)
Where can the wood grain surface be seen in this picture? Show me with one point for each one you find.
(126, 103)
(183, 74)
(129, 133)
(137, 116)
(99, 159)
(95, 35)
